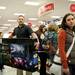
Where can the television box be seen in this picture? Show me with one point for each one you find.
(20, 53)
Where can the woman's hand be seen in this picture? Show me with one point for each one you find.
(66, 71)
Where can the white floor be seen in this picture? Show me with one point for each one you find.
(13, 71)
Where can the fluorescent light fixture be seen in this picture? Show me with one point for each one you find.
(32, 18)
(18, 14)
(71, 0)
(3, 27)
(55, 16)
(12, 20)
(31, 3)
(6, 24)
(2, 7)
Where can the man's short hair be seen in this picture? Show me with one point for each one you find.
(21, 16)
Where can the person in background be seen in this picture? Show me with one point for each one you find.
(65, 38)
(1, 63)
(41, 52)
(40, 31)
(51, 42)
(23, 31)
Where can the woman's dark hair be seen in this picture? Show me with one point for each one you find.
(63, 24)
(41, 28)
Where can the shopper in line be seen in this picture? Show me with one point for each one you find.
(51, 42)
(41, 52)
(65, 38)
(23, 31)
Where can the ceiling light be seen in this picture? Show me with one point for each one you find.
(12, 20)
(6, 24)
(3, 27)
(55, 16)
(71, 0)
(32, 18)
(18, 14)
(2, 7)
(31, 3)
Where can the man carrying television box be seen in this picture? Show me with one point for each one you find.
(23, 31)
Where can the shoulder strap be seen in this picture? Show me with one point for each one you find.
(70, 48)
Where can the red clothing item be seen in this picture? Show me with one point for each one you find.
(61, 46)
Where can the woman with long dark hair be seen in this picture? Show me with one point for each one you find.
(65, 38)
(41, 52)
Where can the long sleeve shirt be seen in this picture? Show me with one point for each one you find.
(61, 46)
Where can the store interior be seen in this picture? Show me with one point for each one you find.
(36, 12)
(9, 10)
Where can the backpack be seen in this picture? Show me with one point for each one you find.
(50, 41)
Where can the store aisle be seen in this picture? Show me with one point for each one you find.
(12, 71)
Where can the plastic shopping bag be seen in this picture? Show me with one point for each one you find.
(55, 69)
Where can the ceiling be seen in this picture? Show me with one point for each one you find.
(18, 6)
